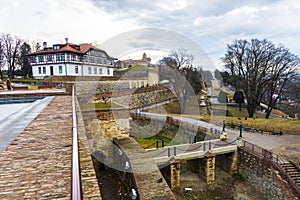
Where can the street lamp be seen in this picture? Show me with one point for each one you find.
(241, 129)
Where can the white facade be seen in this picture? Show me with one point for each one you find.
(67, 69)
(71, 60)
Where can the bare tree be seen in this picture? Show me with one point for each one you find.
(2, 60)
(176, 68)
(11, 52)
(282, 70)
(256, 67)
(36, 44)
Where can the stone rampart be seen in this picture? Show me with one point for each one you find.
(265, 175)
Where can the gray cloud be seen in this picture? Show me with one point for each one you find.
(212, 23)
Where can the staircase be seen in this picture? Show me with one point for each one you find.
(293, 171)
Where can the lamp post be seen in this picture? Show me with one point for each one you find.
(223, 125)
(241, 129)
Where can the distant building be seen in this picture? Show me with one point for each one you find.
(215, 84)
(130, 62)
(70, 60)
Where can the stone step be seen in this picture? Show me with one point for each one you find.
(295, 176)
(291, 169)
(293, 172)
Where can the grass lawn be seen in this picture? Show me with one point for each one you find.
(25, 81)
(151, 142)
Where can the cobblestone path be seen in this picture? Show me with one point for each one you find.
(37, 164)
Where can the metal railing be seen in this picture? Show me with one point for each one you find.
(181, 149)
(76, 192)
(263, 152)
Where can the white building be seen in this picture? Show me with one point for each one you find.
(70, 60)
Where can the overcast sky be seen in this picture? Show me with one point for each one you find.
(210, 24)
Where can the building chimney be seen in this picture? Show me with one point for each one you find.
(44, 45)
(67, 40)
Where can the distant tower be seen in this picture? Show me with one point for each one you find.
(144, 56)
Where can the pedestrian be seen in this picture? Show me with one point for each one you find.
(8, 84)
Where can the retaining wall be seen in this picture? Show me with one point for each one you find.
(265, 176)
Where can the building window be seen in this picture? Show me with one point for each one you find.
(41, 58)
(92, 59)
(60, 57)
(73, 57)
(60, 69)
(40, 70)
(32, 59)
(56, 47)
(108, 71)
(44, 70)
(49, 58)
(76, 69)
(95, 70)
(89, 70)
(100, 70)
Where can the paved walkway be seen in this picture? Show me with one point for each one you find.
(263, 140)
(37, 164)
(15, 118)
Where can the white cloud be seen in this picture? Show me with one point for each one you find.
(54, 20)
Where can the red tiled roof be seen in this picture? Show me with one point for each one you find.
(68, 47)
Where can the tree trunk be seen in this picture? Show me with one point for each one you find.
(268, 112)
(251, 110)
(1, 75)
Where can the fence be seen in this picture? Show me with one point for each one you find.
(263, 152)
(254, 128)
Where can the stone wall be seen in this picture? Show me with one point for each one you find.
(133, 93)
(264, 175)
(228, 162)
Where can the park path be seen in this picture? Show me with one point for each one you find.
(266, 141)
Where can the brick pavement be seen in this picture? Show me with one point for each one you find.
(37, 164)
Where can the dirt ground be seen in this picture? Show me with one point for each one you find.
(225, 187)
